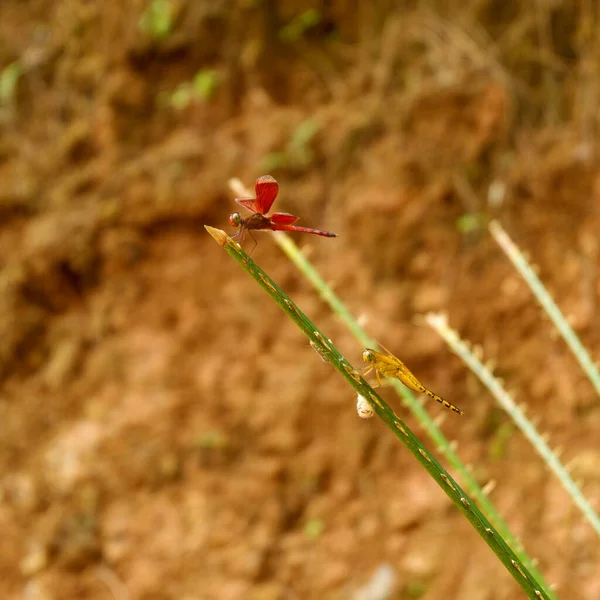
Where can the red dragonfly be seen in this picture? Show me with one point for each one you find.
(266, 190)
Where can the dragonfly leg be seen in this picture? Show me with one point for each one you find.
(255, 243)
(367, 370)
(239, 235)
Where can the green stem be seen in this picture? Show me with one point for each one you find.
(327, 350)
(548, 304)
(429, 425)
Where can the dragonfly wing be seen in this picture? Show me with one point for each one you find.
(249, 203)
(266, 190)
(281, 218)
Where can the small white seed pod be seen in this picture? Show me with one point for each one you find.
(363, 408)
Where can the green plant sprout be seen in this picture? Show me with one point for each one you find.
(415, 589)
(212, 440)
(531, 584)
(205, 84)
(9, 78)
(499, 442)
(313, 529)
(157, 19)
(202, 88)
(298, 152)
(298, 26)
(469, 223)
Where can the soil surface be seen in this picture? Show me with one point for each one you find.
(165, 431)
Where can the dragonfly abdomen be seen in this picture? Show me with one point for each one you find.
(442, 401)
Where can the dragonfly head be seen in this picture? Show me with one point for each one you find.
(235, 219)
(368, 356)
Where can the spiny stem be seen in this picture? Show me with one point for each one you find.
(548, 304)
(328, 351)
(439, 323)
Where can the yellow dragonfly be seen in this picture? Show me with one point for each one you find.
(388, 365)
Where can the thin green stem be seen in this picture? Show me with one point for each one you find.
(548, 304)
(440, 324)
(327, 350)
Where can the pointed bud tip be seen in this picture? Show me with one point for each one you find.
(218, 234)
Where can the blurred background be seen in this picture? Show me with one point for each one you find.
(165, 431)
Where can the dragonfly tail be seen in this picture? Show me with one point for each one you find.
(299, 229)
(443, 402)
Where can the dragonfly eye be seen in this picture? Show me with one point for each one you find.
(235, 219)
(368, 356)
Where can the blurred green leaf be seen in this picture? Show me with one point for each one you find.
(181, 97)
(202, 87)
(298, 152)
(157, 19)
(298, 26)
(205, 84)
(9, 77)
(212, 440)
(273, 161)
(469, 223)
(499, 442)
(314, 528)
(299, 146)
(415, 589)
